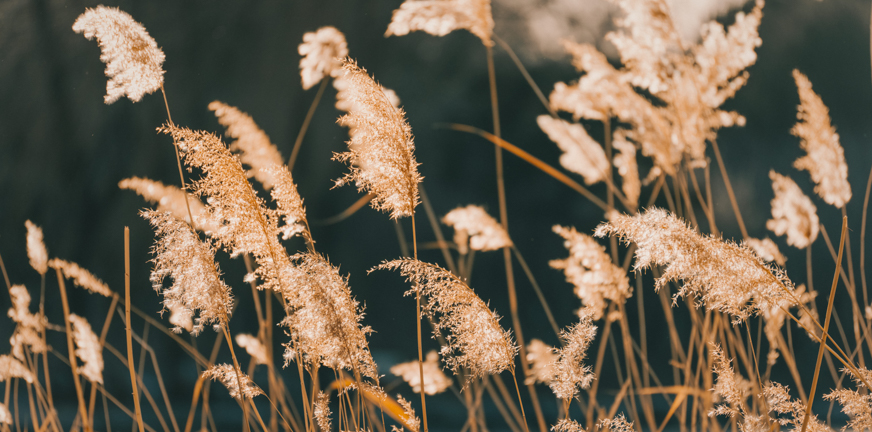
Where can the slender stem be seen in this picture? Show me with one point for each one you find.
(418, 326)
(823, 342)
(242, 396)
(178, 158)
(128, 329)
(299, 141)
(729, 186)
(72, 352)
(526, 75)
(520, 402)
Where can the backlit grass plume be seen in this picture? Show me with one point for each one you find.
(440, 17)
(88, 349)
(252, 143)
(231, 379)
(473, 333)
(581, 154)
(133, 59)
(857, 404)
(435, 381)
(36, 251)
(381, 152)
(170, 199)
(718, 274)
(475, 229)
(825, 160)
(590, 270)
(81, 277)
(29, 326)
(793, 213)
(321, 51)
(323, 318)
(570, 372)
(196, 279)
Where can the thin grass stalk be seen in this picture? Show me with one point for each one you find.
(83, 413)
(5, 275)
(146, 348)
(824, 335)
(198, 386)
(526, 74)
(537, 289)
(121, 406)
(506, 398)
(128, 328)
(434, 224)
(178, 158)
(305, 126)
(107, 321)
(733, 202)
(418, 326)
(597, 369)
(863, 238)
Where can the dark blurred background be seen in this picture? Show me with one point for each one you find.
(63, 152)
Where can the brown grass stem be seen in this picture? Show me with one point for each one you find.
(418, 327)
(525, 73)
(729, 186)
(826, 324)
(71, 350)
(345, 214)
(128, 329)
(305, 126)
(178, 158)
(536, 162)
(537, 290)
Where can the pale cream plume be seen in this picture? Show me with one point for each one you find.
(30, 326)
(171, 199)
(793, 213)
(322, 411)
(778, 398)
(590, 270)
(10, 367)
(440, 17)
(133, 59)
(252, 143)
(475, 229)
(617, 424)
(253, 346)
(381, 154)
(541, 358)
(628, 168)
(88, 349)
(5, 415)
(197, 284)
(720, 275)
(581, 154)
(36, 250)
(857, 404)
(231, 377)
(322, 52)
(570, 372)
(475, 340)
(435, 381)
(81, 277)
(766, 249)
(825, 160)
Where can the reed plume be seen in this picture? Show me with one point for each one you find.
(5, 415)
(475, 340)
(88, 349)
(542, 358)
(252, 143)
(322, 411)
(718, 274)
(231, 378)
(10, 367)
(322, 52)
(29, 325)
(197, 285)
(766, 249)
(171, 199)
(81, 277)
(793, 213)
(133, 59)
(381, 154)
(440, 17)
(581, 154)
(590, 270)
(570, 372)
(628, 168)
(825, 160)
(253, 347)
(475, 229)
(435, 381)
(778, 398)
(857, 404)
(36, 251)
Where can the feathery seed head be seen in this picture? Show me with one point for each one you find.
(5, 415)
(381, 153)
(252, 143)
(475, 340)
(27, 332)
(321, 51)
(719, 274)
(197, 285)
(88, 349)
(581, 154)
(10, 367)
(628, 168)
(617, 424)
(766, 249)
(825, 160)
(441, 17)
(230, 377)
(777, 315)
(322, 411)
(253, 347)
(475, 229)
(435, 381)
(290, 205)
(81, 277)
(567, 425)
(36, 250)
(133, 59)
(171, 199)
(730, 386)
(793, 213)
(541, 358)
(779, 401)
(323, 318)
(570, 372)
(591, 271)
(857, 405)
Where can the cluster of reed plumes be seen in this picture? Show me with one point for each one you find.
(661, 111)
